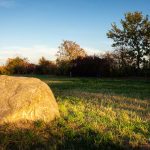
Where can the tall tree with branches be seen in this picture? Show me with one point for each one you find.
(134, 36)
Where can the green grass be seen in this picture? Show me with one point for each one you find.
(95, 114)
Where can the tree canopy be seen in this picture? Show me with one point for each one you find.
(69, 50)
(134, 36)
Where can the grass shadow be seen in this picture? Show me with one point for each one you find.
(49, 137)
(139, 89)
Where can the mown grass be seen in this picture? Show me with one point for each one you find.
(95, 114)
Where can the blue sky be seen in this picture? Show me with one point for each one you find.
(35, 28)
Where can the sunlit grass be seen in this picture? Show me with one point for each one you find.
(95, 113)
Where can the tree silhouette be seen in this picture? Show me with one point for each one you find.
(134, 36)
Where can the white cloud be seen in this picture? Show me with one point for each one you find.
(92, 51)
(7, 3)
(33, 54)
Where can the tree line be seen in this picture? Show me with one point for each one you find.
(131, 55)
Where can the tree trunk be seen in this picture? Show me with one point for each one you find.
(138, 62)
(138, 58)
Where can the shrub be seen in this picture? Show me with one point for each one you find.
(16, 66)
(45, 67)
(90, 66)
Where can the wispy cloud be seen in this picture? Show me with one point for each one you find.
(7, 3)
(32, 53)
(93, 51)
(35, 52)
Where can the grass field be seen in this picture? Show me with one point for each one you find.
(95, 114)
